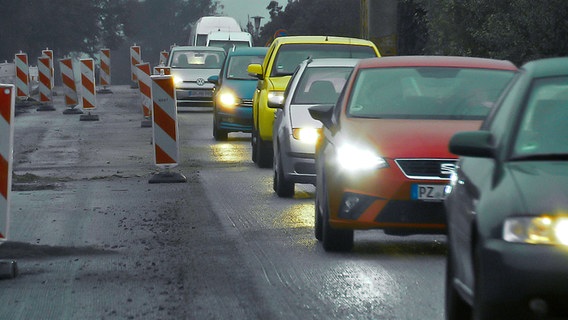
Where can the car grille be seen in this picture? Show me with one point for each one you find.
(431, 169)
(246, 103)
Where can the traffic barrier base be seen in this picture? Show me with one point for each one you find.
(8, 269)
(89, 117)
(167, 177)
(72, 110)
(104, 90)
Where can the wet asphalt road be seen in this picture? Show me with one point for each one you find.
(94, 240)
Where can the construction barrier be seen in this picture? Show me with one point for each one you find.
(104, 74)
(22, 76)
(165, 129)
(145, 85)
(164, 55)
(162, 70)
(7, 108)
(45, 81)
(49, 53)
(69, 86)
(89, 97)
(135, 58)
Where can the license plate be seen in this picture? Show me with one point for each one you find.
(432, 192)
(199, 93)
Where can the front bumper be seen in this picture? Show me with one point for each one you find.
(194, 97)
(515, 274)
(237, 118)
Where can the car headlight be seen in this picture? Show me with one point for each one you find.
(177, 80)
(307, 135)
(276, 97)
(353, 158)
(227, 99)
(545, 229)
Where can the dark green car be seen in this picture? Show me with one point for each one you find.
(507, 204)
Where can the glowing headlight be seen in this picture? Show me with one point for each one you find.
(177, 80)
(353, 158)
(276, 97)
(227, 99)
(307, 135)
(537, 230)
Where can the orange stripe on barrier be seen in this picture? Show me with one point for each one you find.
(164, 121)
(5, 100)
(167, 87)
(3, 177)
(87, 83)
(162, 156)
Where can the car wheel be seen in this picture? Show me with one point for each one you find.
(282, 187)
(334, 239)
(264, 153)
(253, 145)
(219, 134)
(456, 307)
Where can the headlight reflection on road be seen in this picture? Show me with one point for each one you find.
(229, 152)
(297, 216)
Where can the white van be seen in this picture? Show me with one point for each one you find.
(205, 25)
(229, 40)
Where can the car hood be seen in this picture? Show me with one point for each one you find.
(300, 116)
(242, 88)
(540, 185)
(401, 138)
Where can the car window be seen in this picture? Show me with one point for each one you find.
(237, 66)
(542, 128)
(426, 92)
(290, 55)
(197, 59)
(320, 85)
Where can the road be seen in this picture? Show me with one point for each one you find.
(94, 240)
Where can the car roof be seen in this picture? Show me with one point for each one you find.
(548, 67)
(194, 48)
(334, 62)
(322, 39)
(248, 51)
(437, 61)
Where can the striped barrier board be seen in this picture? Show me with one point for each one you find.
(22, 75)
(165, 129)
(145, 87)
(45, 91)
(89, 97)
(49, 53)
(104, 75)
(7, 108)
(69, 87)
(135, 58)
(164, 55)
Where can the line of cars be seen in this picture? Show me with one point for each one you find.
(381, 144)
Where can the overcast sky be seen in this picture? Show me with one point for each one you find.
(241, 9)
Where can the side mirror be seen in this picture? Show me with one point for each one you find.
(213, 79)
(472, 144)
(323, 113)
(255, 70)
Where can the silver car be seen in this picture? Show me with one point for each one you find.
(295, 132)
(191, 66)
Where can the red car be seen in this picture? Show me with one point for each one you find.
(382, 161)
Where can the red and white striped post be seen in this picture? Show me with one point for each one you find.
(8, 268)
(145, 85)
(165, 129)
(164, 55)
(49, 53)
(104, 74)
(22, 76)
(45, 91)
(69, 86)
(135, 58)
(89, 98)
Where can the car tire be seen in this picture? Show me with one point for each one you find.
(456, 307)
(219, 134)
(264, 153)
(334, 240)
(253, 144)
(282, 186)
(318, 223)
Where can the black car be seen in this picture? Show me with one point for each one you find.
(507, 204)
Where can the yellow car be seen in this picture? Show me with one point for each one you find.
(284, 55)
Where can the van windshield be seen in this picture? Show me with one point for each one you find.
(291, 55)
(228, 45)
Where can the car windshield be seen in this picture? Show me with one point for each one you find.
(237, 66)
(426, 92)
(320, 85)
(228, 44)
(542, 131)
(193, 59)
(291, 55)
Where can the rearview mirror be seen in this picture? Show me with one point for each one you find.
(472, 144)
(323, 113)
(213, 79)
(255, 70)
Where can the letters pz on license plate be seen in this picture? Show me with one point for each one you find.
(432, 192)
